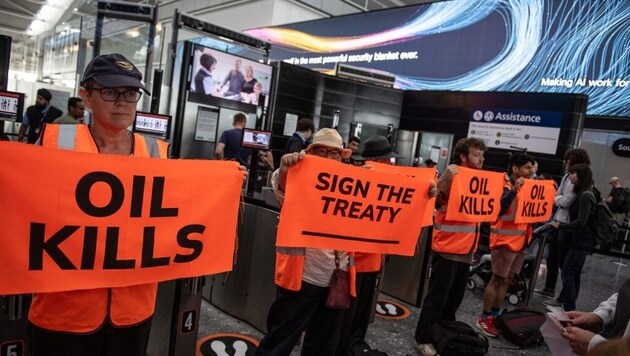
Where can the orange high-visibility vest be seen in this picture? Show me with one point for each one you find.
(368, 262)
(290, 266)
(453, 237)
(83, 311)
(504, 232)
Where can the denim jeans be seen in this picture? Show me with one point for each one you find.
(571, 275)
(554, 259)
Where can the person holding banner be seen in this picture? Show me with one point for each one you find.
(106, 321)
(368, 265)
(303, 275)
(454, 244)
(508, 243)
(580, 234)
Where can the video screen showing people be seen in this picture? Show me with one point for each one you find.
(256, 139)
(11, 106)
(226, 80)
(152, 124)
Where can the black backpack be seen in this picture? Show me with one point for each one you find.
(456, 338)
(605, 226)
(521, 326)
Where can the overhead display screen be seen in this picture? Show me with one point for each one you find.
(226, 80)
(11, 106)
(557, 46)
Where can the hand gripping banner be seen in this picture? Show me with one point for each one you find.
(76, 220)
(330, 205)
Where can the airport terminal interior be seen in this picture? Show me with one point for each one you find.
(540, 79)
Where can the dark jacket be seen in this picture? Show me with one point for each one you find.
(36, 119)
(199, 77)
(295, 144)
(580, 212)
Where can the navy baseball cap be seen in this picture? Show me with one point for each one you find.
(113, 71)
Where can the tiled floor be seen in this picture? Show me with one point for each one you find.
(601, 277)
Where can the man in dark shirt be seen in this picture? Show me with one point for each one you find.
(235, 78)
(36, 115)
(299, 140)
(229, 146)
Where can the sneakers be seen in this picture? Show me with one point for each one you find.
(426, 349)
(547, 292)
(486, 325)
(552, 303)
(365, 350)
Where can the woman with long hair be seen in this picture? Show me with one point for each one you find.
(579, 231)
(248, 82)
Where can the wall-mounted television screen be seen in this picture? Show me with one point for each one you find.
(554, 46)
(226, 80)
(256, 139)
(152, 124)
(11, 106)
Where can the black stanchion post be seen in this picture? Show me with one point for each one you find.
(532, 280)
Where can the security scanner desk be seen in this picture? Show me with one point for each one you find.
(248, 291)
(405, 277)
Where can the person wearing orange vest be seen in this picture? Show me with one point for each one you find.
(104, 321)
(454, 244)
(303, 275)
(368, 265)
(508, 244)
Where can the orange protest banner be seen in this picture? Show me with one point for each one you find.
(422, 173)
(93, 221)
(330, 205)
(535, 201)
(475, 195)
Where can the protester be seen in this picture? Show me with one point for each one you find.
(37, 115)
(451, 262)
(303, 275)
(104, 321)
(508, 244)
(76, 112)
(368, 266)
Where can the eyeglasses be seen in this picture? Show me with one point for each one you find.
(324, 152)
(111, 94)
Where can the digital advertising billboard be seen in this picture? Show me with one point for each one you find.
(555, 46)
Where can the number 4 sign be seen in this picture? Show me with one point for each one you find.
(188, 322)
